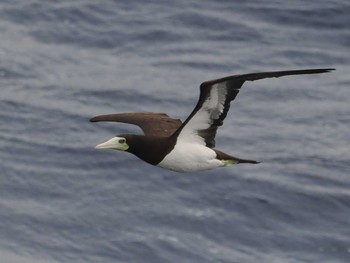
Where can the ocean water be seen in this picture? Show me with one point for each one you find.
(63, 62)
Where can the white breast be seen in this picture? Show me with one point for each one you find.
(190, 157)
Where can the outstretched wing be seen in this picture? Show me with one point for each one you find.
(214, 103)
(155, 124)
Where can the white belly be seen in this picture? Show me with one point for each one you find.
(190, 157)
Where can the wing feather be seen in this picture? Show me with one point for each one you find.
(155, 124)
(214, 103)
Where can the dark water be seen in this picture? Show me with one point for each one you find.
(63, 62)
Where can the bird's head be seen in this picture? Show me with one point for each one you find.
(116, 143)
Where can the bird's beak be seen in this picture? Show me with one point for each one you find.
(110, 144)
(114, 144)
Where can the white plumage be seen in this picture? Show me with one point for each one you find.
(189, 157)
(211, 109)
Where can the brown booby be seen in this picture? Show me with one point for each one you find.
(188, 146)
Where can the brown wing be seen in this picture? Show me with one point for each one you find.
(151, 123)
(214, 103)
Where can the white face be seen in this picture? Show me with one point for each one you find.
(116, 143)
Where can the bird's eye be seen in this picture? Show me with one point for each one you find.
(121, 141)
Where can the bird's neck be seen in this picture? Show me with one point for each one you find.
(151, 149)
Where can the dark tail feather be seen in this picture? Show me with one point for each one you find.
(246, 161)
(231, 159)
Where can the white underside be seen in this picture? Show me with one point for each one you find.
(190, 157)
(190, 153)
(210, 110)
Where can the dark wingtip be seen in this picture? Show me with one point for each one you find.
(328, 69)
(313, 71)
(100, 118)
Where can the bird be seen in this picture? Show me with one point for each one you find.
(188, 146)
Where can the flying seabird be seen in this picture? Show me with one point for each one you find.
(188, 146)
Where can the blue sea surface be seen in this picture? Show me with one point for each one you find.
(63, 62)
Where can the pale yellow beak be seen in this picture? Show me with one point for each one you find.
(116, 143)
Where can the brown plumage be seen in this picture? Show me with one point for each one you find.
(151, 123)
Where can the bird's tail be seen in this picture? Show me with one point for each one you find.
(230, 160)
